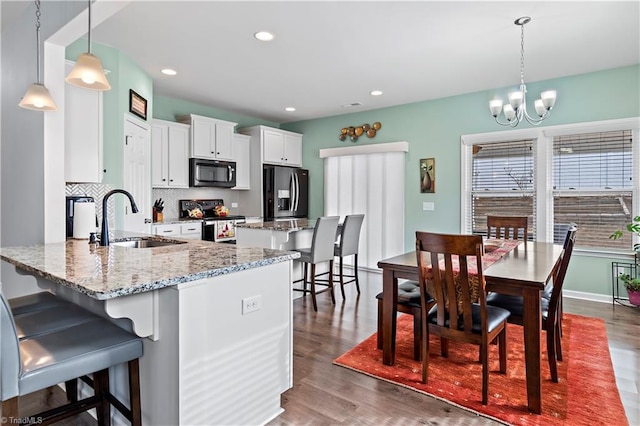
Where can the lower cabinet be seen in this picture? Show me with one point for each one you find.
(189, 230)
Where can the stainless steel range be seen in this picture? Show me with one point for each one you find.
(215, 225)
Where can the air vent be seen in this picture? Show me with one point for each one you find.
(352, 104)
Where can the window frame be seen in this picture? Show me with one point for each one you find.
(543, 171)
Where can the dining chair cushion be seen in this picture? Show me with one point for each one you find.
(74, 352)
(35, 302)
(408, 294)
(495, 317)
(515, 304)
(52, 319)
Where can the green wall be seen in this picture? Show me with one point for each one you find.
(167, 108)
(433, 129)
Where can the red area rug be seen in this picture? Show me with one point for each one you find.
(586, 395)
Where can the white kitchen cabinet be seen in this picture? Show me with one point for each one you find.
(210, 138)
(169, 154)
(241, 155)
(189, 230)
(83, 134)
(268, 146)
(281, 147)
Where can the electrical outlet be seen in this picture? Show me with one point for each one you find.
(234, 205)
(428, 206)
(251, 304)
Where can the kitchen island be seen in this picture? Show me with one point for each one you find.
(280, 234)
(218, 320)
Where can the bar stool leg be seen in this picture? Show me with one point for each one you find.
(134, 392)
(333, 297)
(342, 278)
(313, 287)
(355, 271)
(101, 391)
(71, 387)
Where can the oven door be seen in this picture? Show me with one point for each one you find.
(225, 231)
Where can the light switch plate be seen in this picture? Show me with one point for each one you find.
(428, 206)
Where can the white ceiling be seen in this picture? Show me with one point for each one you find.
(327, 54)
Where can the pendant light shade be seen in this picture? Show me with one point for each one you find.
(37, 97)
(87, 72)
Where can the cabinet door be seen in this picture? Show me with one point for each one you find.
(159, 160)
(167, 230)
(192, 231)
(241, 155)
(224, 141)
(292, 150)
(178, 158)
(272, 147)
(83, 134)
(202, 138)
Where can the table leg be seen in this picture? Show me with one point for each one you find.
(389, 313)
(532, 323)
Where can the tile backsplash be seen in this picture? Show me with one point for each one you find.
(97, 191)
(172, 196)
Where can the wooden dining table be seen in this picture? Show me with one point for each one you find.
(524, 271)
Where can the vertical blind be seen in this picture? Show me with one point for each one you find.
(593, 185)
(503, 182)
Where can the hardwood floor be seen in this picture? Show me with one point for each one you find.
(325, 394)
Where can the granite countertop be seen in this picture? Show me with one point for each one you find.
(280, 225)
(113, 271)
(175, 220)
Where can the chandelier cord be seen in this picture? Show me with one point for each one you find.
(522, 54)
(38, 41)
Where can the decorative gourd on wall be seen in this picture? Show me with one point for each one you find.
(354, 132)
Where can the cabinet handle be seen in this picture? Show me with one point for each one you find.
(164, 180)
(167, 231)
(170, 180)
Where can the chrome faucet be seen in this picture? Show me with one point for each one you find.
(104, 235)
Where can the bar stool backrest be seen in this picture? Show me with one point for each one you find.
(324, 235)
(350, 235)
(10, 364)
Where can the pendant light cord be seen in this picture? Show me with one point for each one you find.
(89, 32)
(522, 54)
(38, 41)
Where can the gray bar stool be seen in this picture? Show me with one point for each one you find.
(35, 302)
(62, 354)
(348, 245)
(321, 250)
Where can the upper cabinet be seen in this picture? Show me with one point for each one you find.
(210, 138)
(169, 154)
(83, 134)
(279, 147)
(241, 155)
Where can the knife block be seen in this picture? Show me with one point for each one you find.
(157, 215)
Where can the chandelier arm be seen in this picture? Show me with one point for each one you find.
(512, 123)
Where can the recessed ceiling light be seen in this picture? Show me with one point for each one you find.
(289, 109)
(375, 92)
(264, 36)
(168, 71)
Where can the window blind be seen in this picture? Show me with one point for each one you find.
(502, 182)
(593, 185)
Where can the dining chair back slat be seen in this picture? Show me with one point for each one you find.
(507, 227)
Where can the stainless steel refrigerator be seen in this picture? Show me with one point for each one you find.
(285, 192)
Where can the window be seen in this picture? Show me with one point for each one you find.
(579, 173)
(592, 185)
(502, 181)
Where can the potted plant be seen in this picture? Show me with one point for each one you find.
(633, 288)
(631, 284)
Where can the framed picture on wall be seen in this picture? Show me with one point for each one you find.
(428, 175)
(137, 104)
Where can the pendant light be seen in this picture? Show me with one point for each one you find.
(87, 72)
(37, 97)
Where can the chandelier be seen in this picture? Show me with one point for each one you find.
(516, 110)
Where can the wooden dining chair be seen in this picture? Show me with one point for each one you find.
(551, 307)
(455, 315)
(408, 303)
(507, 227)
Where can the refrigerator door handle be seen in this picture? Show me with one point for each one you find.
(296, 193)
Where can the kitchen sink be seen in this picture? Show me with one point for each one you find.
(146, 243)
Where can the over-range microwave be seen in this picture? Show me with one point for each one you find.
(212, 173)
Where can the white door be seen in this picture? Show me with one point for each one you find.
(137, 174)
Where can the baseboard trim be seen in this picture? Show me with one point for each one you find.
(592, 297)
